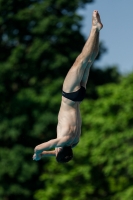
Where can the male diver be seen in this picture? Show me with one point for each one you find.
(74, 88)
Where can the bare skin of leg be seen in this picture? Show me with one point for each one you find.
(87, 70)
(79, 72)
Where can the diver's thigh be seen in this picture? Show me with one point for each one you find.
(72, 80)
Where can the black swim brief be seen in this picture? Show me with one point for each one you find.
(75, 96)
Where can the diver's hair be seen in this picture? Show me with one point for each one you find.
(64, 155)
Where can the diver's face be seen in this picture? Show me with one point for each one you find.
(57, 150)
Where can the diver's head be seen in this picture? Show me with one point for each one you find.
(64, 154)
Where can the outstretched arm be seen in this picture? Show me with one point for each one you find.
(48, 153)
(42, 149)
(58, 142)
(43, 154)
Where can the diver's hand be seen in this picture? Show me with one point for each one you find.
(37, 157)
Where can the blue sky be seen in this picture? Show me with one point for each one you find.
(117, 34)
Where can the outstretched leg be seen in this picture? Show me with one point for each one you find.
(87, 70)
(78, 73)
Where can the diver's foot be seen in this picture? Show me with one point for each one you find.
(96, 21)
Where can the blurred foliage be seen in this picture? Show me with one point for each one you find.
(102, 168)
(36, 49)
(39, 41)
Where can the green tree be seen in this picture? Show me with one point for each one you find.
(102, 168)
